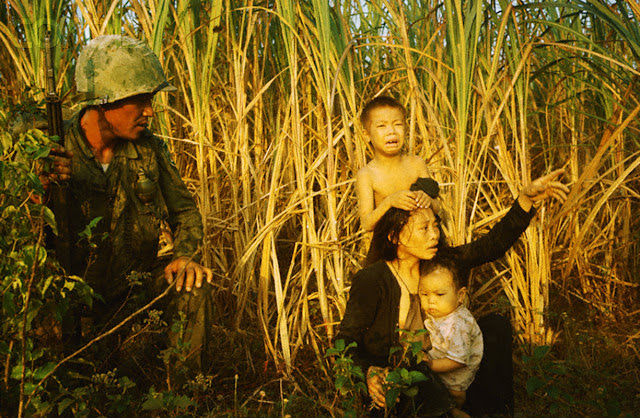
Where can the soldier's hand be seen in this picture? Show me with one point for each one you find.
(61, 170)
(186, 273)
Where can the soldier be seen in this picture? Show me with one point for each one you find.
(120, 173)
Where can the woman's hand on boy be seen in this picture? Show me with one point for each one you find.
(409, 200)
(404, 199)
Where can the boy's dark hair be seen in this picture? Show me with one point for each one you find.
(380, 101)
(446, 260)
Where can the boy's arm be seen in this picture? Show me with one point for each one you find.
(369, 214)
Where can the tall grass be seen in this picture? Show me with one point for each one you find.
(264, 128)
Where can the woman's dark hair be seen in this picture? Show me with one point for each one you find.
(386, 234)
(384, 243)
(446, 260)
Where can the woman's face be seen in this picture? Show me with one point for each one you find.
(419, 237)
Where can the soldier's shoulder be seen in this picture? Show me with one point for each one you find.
(157, 144)
(155, 141)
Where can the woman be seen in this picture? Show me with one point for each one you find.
(383, 295)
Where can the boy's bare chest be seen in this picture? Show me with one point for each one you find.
(386, 184)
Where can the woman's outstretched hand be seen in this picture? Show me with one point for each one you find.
(543, 188)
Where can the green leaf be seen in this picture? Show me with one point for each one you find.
(50, 219)
(16, 372)
(394, 350)
(8, 304)
(533, 384)
(557, 368)
(341, 381)
(411, 392)
(67, 402)
(5, 141)
(184, 402)
(613, 408)
(46, 285)
(42, 371)
(391, 397)
(42, 152)
(416, 347)
(417, 377)
(540, 351)
(29, 387)
(34, 354)
(35, 184)
(87, 231)
(394, 377)
(152, 404)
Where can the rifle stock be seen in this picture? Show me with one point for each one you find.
(59, 191)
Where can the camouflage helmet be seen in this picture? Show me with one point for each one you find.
(114, 67)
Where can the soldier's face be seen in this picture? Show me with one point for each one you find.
(128, 118)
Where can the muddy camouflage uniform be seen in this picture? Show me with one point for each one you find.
(126, 237)
(133, 227)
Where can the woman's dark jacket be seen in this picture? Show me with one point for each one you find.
(371, 316)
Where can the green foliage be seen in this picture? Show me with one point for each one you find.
(107, 393)
(400, 379)
(167, 401)
(349, 378)
(543, 381)
(548, 379)
(35, 291)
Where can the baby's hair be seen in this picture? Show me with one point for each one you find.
(446, 262)
(380, 101)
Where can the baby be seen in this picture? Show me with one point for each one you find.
(456, 339)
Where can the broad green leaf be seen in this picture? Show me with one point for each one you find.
(50, 219)
(394, 377)
(16, 372)
(42, 371)
(151, 404)
(35, 184)
(64, 404)
(417, 376)
(411, 392)
(41, 152)
(184, 402)
(533, 384)
(540, 351)
(391, 397)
